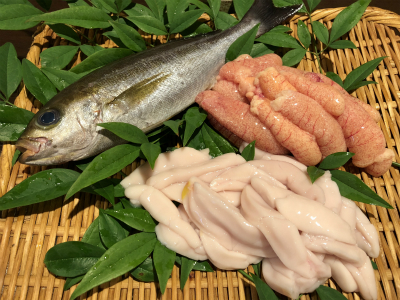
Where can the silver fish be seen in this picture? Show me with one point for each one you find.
(144, 89)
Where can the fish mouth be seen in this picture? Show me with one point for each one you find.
(30, 147)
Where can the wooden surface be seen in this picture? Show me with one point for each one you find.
(22, 39)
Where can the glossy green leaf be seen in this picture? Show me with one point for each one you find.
(196, 29)
(359, 74)
(178, 18)
(109, 5)
(40, 187)
(100, 5)
(82, 16)
(314, 173)
(279, 39)
(284, 3)
(66, 32)
(112, 35)
(74, 3)
(16, 155)
(60, 78)
(92, 235)
(89, 50)
(139, 10)
(327, 293)
(249, 151)
(187, 265)
(342, 44)
(149, 24)
(10, 132)
(374, 266)
(200, 4)
(11, 2)
(100, 59)
(242, 45)
(312, 4)
(335, 77)
(241, 7)
(70, 282)
(257, 269)
(104, 165)
(304, 34)
(203, 266)
(263, 290)
(72, 258)
(350, 186)
(119, 190)
(116, 261)
(224, 21)
(46, 4)
(335, 160)
(16, 16)
(15, 115)
(110, 230)
(151, 152)
(145, 271)
(348, 18)
(126, 131)
(58, 57)
(260, 49)
(215, 142)
(321, 32)
(122, 4)
(360, 84)
(215, 6)
(136, 218)
(164, 260)
(293, 57)
(174, 125)
(129, 36)
(37, 83)
(194, 119)
(10, 70)
(157, 7)
(105, 188)
(280, 29)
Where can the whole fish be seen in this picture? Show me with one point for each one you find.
(144, 89)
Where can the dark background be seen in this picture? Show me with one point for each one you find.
(22, 39)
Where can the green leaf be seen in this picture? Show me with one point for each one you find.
(280, 40)
(116, 261)
(11, 2)
(360, 84)
(136, 218)
(100, 59)
(304, 34)
(122, 4)
(186, 267)
(164, 260)
(320, 31)
(242, 45)
(149, 24)
(350, 186)
(225, 21)
(241, 7)
(203, 266)
(105, 188)
(10, 70)
(15, 115)
(40, 187)
(249, 151)
(157, 7)
(72, 258)
(260, 49)
(89, 50)
(82, 16)
(335, 160)
(215, 5)
(374, 266)
(129, 36)
(200, 4)
(16, 16)
(109, 5)
(215, 142)
(58, 57)
(257, 269)
(119, 191)
(66, 32)
(284, 3)
(151, 152)
(247, 276)
(46, 4)
(174, 125)
(342, 44)
(75, 3)
(37, 83)
(16, 155)
(60, 78)
(70, 282)
(110, 230)
(359, 74)
(348, 18)
(92, 235)
(100, 5)
(293, 57)
(126, 131)
(281, 29)
(314, 173)
(194, 119)
(327, 293)
(145, 271)
(112, 35)
(104, 165)
(196, 29)
(335, 77)
(263, 290)
(312, 4)
(177, 17)
(139, 10)
(10, 132)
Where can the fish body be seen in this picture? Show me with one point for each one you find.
(144, 89)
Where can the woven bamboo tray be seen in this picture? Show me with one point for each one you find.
(28, 232)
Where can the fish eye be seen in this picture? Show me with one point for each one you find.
(49, 117)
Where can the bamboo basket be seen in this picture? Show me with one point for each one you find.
(28, 232)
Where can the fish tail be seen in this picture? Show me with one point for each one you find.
(265, 13)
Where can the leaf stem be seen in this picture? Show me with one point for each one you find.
(396, 165)
(315, 46)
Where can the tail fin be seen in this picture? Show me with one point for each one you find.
(265, 13)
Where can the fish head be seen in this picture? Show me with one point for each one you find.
(63, 130)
